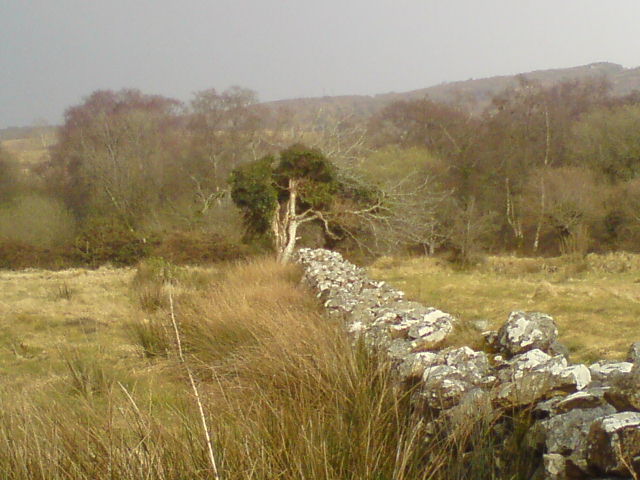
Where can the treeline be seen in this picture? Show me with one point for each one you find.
(543, 170)
(130, 175)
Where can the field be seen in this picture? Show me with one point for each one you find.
(47, 317)
(596, 302)
(29, 151)
(96, 367)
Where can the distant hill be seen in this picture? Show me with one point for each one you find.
(13, 133)
(28, 144)
(475, 93)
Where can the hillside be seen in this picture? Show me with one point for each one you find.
(29, 144)
(474, 93)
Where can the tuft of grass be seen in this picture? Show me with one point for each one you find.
(152, 298)
(87, 376)
(64, 292)
(152, 334)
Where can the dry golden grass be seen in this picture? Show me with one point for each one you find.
(45, 315)
(28, 151)
(597, 308)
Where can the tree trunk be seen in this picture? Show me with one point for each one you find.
(285, 225)
(536, 240)
(512, 218)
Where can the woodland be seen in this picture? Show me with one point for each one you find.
(541, 170)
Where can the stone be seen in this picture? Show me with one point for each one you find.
(554, 466)
(578, 375)
(480, 324)
(634, 353)
(557, 348)
(491, 340)
(473, 365)
(588, 398)
(613, 443)
(355, 327)
(546, 408)
(414, 364)
(443, 387)
(525, 391)
(606, 372)
(566, 434)
(534, 375)
(526, 331)
(532, 360)
(425, 327)
(624, 393)
(453, 374)
(431, 330)
(398, 349)
(499, 361)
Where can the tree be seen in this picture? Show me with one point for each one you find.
(116, 155)
(607, 141)
(277, 196)
(622, 222)
(527, 129)
(417, 202)
(469, 230)
(574, 202)
(441, 128)
(223, 131)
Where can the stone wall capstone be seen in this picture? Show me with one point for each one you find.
(587, 417)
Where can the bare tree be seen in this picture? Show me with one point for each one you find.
(224, 129)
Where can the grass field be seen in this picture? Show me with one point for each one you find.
(94, 385)
(28, 151)
(47, 318)
(596, 303)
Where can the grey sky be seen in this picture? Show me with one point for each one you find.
(55, 52)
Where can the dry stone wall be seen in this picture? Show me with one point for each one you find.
(587, 417)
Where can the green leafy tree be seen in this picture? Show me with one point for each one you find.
(278, 195)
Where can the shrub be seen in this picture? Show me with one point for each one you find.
(16, 255)
(37, 220)
(198, 247)
(110, 241)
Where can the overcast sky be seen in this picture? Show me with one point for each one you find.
(55, 52)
